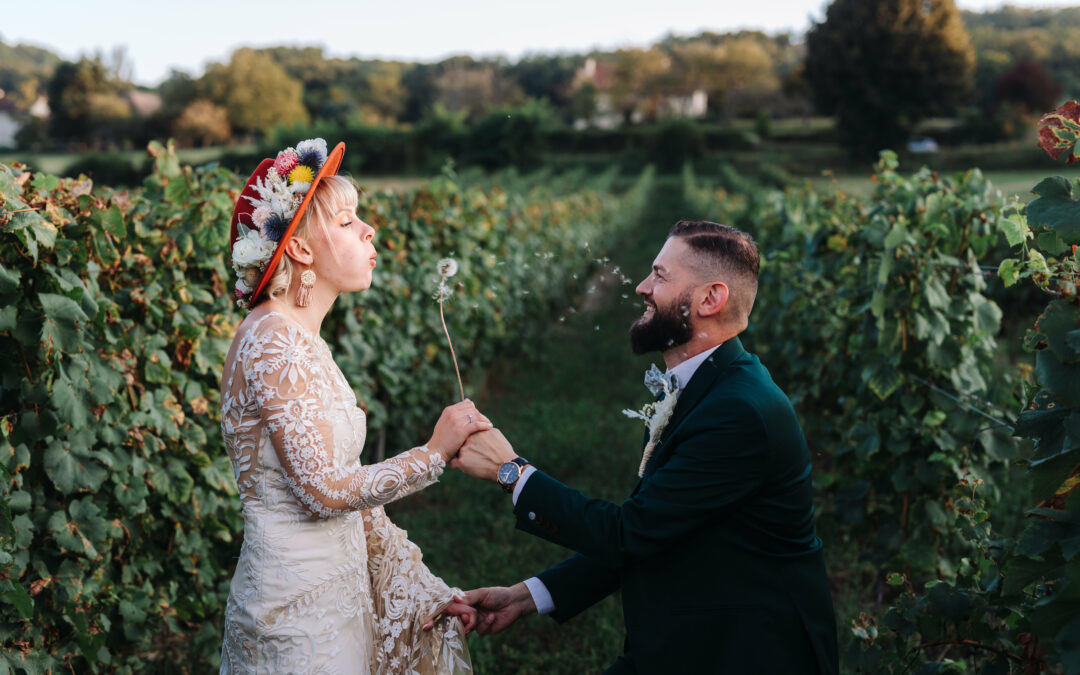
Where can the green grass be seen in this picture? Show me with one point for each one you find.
(560, 407)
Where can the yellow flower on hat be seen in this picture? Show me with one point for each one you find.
(301, 174)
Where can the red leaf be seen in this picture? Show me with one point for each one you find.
(1059, 130)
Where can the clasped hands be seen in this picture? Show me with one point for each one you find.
(469, 442)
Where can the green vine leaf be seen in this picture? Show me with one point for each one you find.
(1055, 208)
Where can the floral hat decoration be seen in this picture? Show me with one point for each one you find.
(269, 208)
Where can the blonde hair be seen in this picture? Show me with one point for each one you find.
(331, 195)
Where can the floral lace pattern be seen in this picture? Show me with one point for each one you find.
(325, 582)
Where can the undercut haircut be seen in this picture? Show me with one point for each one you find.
(723, 253)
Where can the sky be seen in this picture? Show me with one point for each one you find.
(159, 36)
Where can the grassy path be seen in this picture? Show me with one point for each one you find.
(560, 407)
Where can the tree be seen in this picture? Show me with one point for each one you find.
(468, 84)
(255, 91)
(549, 77)
(84, 102)
(1029, 86)
(202, 123)
(640, 81)
(883, 65)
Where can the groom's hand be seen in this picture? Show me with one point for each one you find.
(499, 606)
(483, 453)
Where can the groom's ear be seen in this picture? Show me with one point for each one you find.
(715, 299)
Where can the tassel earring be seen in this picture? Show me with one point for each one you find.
(303, 294)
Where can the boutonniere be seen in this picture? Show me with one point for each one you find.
(657, 414)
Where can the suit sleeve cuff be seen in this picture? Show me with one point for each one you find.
(520, 485)
(540, 595)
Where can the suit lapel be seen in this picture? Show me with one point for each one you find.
(700, 384)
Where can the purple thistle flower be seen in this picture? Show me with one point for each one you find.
(313, 160)
(274, 227)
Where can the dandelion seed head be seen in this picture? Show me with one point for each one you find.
(447, 267)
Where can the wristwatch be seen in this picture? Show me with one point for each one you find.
(510, 472)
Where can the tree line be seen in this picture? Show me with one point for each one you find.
(880, 66)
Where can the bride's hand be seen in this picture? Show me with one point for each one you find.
(466, 613)
(454, 427)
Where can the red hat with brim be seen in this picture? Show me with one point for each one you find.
(244, 208)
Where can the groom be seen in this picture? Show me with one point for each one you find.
(715, 551)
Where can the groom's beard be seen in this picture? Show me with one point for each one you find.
(668, 327)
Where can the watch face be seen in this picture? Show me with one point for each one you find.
(508, 473)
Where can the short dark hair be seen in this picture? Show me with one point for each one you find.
(723, 251)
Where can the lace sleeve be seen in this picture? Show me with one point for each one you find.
(291, 383)
(405, 592)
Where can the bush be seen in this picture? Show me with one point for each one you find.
(875, 319)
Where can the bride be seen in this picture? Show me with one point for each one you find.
(325, 582)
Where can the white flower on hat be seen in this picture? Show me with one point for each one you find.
(252, 250)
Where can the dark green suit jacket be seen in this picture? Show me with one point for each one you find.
(715, 551)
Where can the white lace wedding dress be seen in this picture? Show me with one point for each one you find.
(325, 582)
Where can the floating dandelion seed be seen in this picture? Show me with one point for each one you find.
(448, 267)
(596, 327)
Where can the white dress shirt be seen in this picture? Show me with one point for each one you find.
(539, 592)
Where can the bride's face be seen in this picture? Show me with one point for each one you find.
(349, 264)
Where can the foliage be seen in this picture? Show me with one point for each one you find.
(883, 65)
(23, 69)
(119, 517)
(85, 104)
(1015, 601)
(875, 319)
(255, 91)
(1028, 85)
(509, 136)
(1006, 36)
(202, 123)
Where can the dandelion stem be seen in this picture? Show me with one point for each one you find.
(452, 355)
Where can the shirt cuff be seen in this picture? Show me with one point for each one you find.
(521, 482)
(540, 595)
